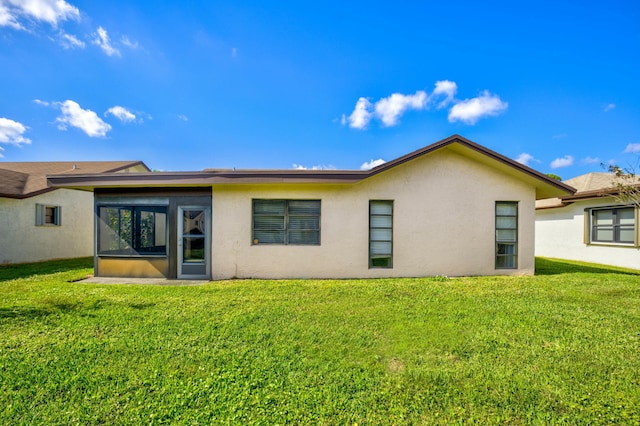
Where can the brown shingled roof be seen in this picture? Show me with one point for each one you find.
(589, 186)
(27, 179)
(592, 181)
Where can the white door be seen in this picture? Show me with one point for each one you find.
(194, 242)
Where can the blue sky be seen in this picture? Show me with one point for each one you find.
(346, 85)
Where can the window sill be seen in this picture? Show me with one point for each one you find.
(132, 256)
(284, 245)
(621, 245)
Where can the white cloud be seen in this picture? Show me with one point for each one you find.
(447, 88)
(471, 110)
(51, 11)
(183, 117)
(368, 165)
(590, 160)
(609, 107)
(632, 148)
(102, 40)
(388, 110)
(39, 102)
(70, 42)
(361, 115)
(1, 151)
(130, 44)
(83, 119)
(234, 52)
(9, 19)
(121, 113)
(318, 167)
(565, 161)
(391, 108)
(524, 158)
(11, 132)
(23, 14)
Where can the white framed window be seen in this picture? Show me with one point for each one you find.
(380, 234)
(613, 225)
(47, 215)
(286, 222)
(506, 235)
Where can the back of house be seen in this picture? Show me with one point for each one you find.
(453, 208)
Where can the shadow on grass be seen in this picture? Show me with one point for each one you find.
(141, 306)
(51, 305)
(24, 312)
(24, 270)
(558, 266)
(64, 305)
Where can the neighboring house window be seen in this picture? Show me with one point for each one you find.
(380, 234)
(613, 225)
(132, 230)
(286, 222)
(506, 235)
(48, 215)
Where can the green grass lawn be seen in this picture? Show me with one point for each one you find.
(560, 347)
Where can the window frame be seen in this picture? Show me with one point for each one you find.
(42, 216)
(372, 228)
(134, 248)
(615, 226)
(504, 243)
(286, 230)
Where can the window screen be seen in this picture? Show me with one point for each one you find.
(286, 222)
(506, 235)
(380, 234)
(132, 230)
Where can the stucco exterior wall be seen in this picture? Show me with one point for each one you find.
(560, 234)
(22, 241)
(444, 223)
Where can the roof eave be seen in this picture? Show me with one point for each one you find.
(544, 185)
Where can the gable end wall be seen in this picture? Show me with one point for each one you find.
(444, 221)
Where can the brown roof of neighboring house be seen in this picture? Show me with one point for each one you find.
(545, 186)
(27, 179)
(588, 186)
(591, 181)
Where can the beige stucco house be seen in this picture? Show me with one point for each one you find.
(591, 225)
(452, 208)
(38, 222)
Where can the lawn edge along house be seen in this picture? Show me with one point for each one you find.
(453, 208)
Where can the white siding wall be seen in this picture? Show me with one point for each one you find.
(444, 221)
(560, 234)
(22, 241)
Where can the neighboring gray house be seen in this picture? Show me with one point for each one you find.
(590, 225)
(38, 222)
